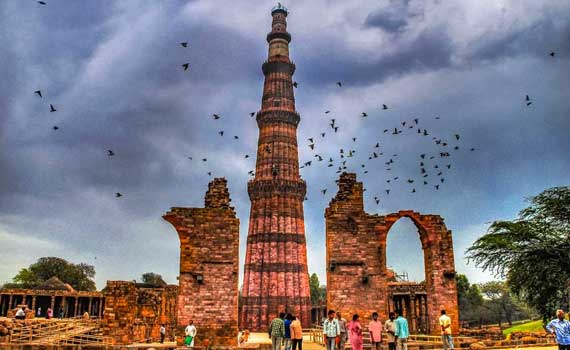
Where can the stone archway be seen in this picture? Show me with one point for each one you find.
(358, 280)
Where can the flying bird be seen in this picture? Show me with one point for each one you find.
(364, 114)
(56, 128)
(457, 136)
(327, 112)
(52, 108)
(310, 139)
(204, 159)
(236, 137)
(339, 83)
(324, 191)
(184, 44)
(387, 191)
(251, 114)
(221, 133)
(118, 194)
(38, 92)
(110, 153)
(42, 2)
(185, 66)
(295, 84)
(552, 54)
(246, 156)
(384, 106)
(215, 116)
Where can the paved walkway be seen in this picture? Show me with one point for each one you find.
(263, 338)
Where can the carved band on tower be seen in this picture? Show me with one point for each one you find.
(275, 276)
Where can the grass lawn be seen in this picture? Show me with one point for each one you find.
(534, 326)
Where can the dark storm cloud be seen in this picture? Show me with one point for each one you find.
(113, 71)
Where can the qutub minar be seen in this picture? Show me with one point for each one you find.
(275, 274)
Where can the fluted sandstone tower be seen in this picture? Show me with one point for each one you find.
(276, 276)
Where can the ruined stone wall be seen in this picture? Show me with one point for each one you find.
(135, 312)
(357, 276)
(209, 260)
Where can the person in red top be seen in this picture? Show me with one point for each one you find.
(375, 329)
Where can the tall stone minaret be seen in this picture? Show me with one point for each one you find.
(276, 277)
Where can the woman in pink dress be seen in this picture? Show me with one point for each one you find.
(355, 333)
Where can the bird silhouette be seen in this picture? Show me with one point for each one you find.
(185, 66)
(387, 191)
(236, 137)
(118, 194)
(52, 108)
(56, 127)
(457, 136)
(215, 116)
(310, 139)
(364, 114)
(295, 84)
(38, 92)
(110, 153)
(42, 2)
(221, 133)
(246, 156)
(327, 112)
(384, 106)
(312, 146)
(552, 54)
(339, 83)
(204, 159)
(251, 114)
(527, 98)
(416, 120)
(184, 44)
(324, 191)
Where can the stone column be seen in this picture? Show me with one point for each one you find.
(3, 305)
(64, 306)
(90, 305)
(10, 302)
(53, 304)
(34, 304)
(100, 308)
(75, 311)
(413, 313)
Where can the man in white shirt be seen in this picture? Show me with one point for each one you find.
(445, 323)
(20, 314)
(162, 334)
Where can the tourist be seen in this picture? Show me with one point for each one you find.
(355, 331)
(39, 312)
(561, 329)
(287, 324)
(401, 331)
(331, 330)
(49, 313)
(445, 323)
(86, 315)
(20, 314)
(390, 328)
(277, 331)
(296, 333)
(190, 333)
(343, 333)
(375, 329)
(242, 339)
(162, 333)
(61, 312)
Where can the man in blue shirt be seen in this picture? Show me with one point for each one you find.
(331, 330)
(401, 332)
(561, 329)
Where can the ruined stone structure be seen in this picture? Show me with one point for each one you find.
(358, 280)
(52, 294)
(134, 312)
(276, 276)
(209, 258)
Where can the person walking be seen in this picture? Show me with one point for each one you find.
(390, 328)
(39, 312)
(355, 333)
(49, 313)
(445, 324)
(375, 329)
(343, 331)
(190, 333)
(61, 312)
(277, 331)
(296, 333)
(560, 327)
(331, 330)
(242, 340)
(401, 331)
(162, 333)
(287, 324)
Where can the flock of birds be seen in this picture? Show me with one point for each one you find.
(432, 167)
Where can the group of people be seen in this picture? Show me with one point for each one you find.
(336, 331)
(286, 329)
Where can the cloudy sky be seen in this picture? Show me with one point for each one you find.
(112, 70)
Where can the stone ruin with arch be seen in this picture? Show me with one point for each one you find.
(358, 280)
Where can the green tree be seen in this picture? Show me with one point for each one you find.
(470, 301)
(318, 292)
(532, 252)
(153, 279)
(79, 276)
